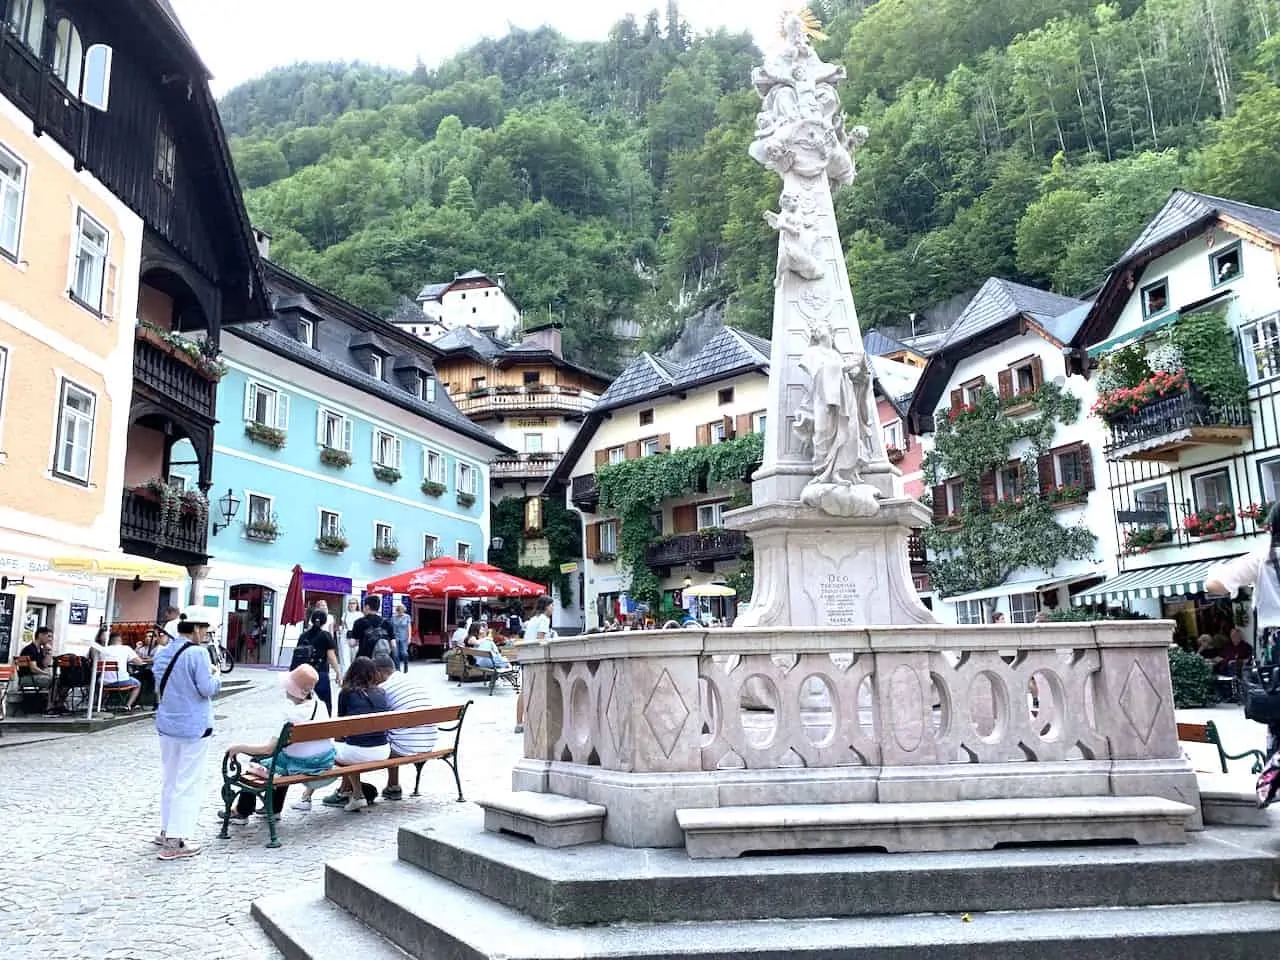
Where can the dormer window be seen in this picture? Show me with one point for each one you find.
(1155, 298)
(306, 332)
(375, 366)
(427, 389)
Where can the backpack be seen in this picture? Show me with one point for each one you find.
(304, 652)
(382, 642)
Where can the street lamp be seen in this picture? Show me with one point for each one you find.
(497, 543)
(15, 582)
(228, 505)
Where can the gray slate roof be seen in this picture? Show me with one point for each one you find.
(727, 354)
(432, 291)
(1185, 208)
(1063, 328)
(466, 338)
(645, 376)
(878, 344)
(442, 411)
(997, 301)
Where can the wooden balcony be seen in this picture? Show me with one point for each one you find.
(584, 493)
(524, 466)
(142, 532)
(504, 401)
(916, 552)
(33, 87)
(167, 375)
(696, 549)
(1165, 427)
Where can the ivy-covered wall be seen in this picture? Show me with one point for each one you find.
(562, 529)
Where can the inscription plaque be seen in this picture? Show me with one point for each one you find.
(838, 600)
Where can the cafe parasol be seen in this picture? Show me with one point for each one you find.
(443, 576)
(516, 586)
(710, 590)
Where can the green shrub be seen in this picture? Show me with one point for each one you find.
(1193, 683)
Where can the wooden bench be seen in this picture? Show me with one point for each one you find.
(237, 779)
(1208, 733)
(6, 677)
(461, 666)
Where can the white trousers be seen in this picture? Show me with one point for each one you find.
(182, 788)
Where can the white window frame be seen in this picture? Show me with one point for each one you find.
(1214, 278)
(533, 443)
(1266, 468)
(1023, 607)
(249, 497)
(609, 538)
(4, 392)
(970, 392)
(617, 455)
(716, 515)
(1058, 472)
(427, 389)
(341, 433)
(80, 420)
(758, 422)
(468, 479)
(718, 432)
(649, 446)
(430, 547)
(85, 247)
(893, 434)
(1260, 341)
(384, 534)
(1147, 312)
(971, 611)
(463, 551)
(388, 449)
(277, 415)
(12, 185)
(1195, 489)
(1140, 504)
(434, 476)
(329, 530)
(306, 332)
(376, 366)
(68, 55)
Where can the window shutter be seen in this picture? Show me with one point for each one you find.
(250, 400)
(1037, 372)
(1086, 466)
(1005, 380)
(633, 450)
(593, 541)
(703, 436)
(320, 427)
(728, 428)
(742, 425)
(282, 411)
(1045, 474)
(399, 453)
(346, 434)
(957, 399)
(684, 519)
(602, 458)
(374, 448)
(988, 490)
(109, 299)
(939, 501)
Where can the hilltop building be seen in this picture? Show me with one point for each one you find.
(471, 299)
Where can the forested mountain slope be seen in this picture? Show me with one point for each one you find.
(609, 180)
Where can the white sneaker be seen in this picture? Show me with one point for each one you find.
(356, 804)
(303, 805)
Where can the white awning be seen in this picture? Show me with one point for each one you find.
(1015, 586)
(1171, 580)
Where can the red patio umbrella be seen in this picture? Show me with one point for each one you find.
(294, 610)
(443, 576)
(516, 586)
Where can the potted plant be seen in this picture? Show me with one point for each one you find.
(433, 488)
(1142, 539)
(195, 504)
(1210, 523)
(1114, 405)
(331, 542)
(894, 454)
(466, 499)
(333, 457)
(1067, 494)
(265, 529)
(268, 436)
(386, 474)
(386, 552)
(188, 351)
(1258, 512)
(506, 389)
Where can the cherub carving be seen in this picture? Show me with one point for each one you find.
(795, 240)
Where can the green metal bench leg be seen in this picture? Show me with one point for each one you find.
(453, 765)
(269, 798)
(417, 780)
(228, 797)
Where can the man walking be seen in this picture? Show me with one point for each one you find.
(184, 720)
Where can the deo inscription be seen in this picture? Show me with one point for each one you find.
(838, 599)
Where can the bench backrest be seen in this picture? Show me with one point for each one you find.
(372, 723)
(6, 673)
(1198, 732)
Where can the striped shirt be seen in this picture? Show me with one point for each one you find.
(406, 694)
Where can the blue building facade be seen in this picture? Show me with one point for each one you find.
(337, 454)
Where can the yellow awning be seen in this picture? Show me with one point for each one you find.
(710, 590)
(121, 565)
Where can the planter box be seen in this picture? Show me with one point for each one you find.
(263, 536)
(267, 436)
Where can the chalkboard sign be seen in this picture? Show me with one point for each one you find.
(6, 626)
(79, 614)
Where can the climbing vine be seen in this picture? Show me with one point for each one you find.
(561, 528)
(634, 489)
(981, 545)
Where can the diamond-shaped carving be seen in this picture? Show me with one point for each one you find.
(666, 713)
(1140, 701)
(613, 712)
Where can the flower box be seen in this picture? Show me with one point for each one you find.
(331, 543)
(265, 531)
(1069, 495)
(175, 504)
(386, 553)
(1114, 405)
(267, 436)
(433, 488)
(466, 499)
(386, 474)
(1258, 512)
(1210, 523)
(506, 389)
(1143, 539)
(183, 350)
(333, 457)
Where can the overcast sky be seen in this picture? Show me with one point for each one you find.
(239, 39)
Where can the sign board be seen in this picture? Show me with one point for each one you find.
(79, 614)
(568, 568)
(1144, 517)
(7, 601)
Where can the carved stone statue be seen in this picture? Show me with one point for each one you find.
(795, 240)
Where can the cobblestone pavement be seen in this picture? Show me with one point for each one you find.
(80, 876)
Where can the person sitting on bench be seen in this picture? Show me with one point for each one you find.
(360, 694)
(486, 651)
(403, 693)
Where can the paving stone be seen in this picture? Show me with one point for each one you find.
(84, 809)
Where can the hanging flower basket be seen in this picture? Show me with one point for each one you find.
(1210, 523)
(333, 457)
(1142, 539)
(386, 474)
(268, 436)
(183, 350)
(433, 488)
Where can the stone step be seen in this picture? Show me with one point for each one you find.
(1231, 800)
(429, 917)
(947, 825)
(597, 883)
(305, 926)
(548, 819)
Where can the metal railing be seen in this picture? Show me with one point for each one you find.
(1171, 415)
(172, 377)
(695, 548)
(140, 521)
